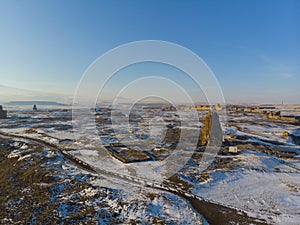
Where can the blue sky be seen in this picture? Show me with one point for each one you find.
(253, 47)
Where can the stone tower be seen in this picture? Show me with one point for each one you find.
(211, 133)
(3, 113)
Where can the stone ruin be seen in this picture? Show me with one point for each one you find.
(3, 113)
(211, 133)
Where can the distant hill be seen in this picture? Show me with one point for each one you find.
(24, 103)
(10, 94)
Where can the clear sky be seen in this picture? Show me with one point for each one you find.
(253, 47)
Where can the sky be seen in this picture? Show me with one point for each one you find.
(252, 47)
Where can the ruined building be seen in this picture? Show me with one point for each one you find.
(211, 133)
(3, 113)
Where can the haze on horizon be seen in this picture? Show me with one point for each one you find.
(252, 47)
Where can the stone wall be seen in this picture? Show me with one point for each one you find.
(3, 113)
(211, 133)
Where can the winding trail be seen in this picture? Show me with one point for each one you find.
(214, 213)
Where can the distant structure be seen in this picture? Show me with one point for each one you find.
(169, 108)
(211, 133)
(269, 111)
(3, 113)
(285, 133)
(218, 107)
(34, 108)
(197, 107)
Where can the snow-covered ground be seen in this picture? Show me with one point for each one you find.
(257, 125)
(257, 189)
(264, 186)
(73, 190)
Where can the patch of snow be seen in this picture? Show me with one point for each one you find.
(269, 196)
(24, 157)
